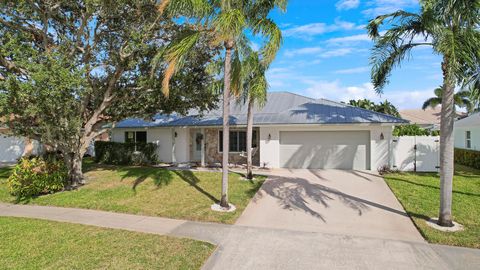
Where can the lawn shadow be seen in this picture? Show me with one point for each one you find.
(159, 176)
(190, 178)
(429, 186)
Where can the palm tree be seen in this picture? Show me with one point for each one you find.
(363, 103)
(223, 22)
(450, 27)
(460, 98)
(387, 107)
(254, 86)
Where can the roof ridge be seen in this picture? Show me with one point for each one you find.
(292, 93)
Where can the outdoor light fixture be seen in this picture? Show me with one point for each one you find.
(175, 134)
(381, 136)
(269, 137)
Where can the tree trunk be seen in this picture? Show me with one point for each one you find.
(446, 148)
(249, 138)
(73, 161)
(226, 116)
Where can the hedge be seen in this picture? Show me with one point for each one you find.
(470, 158)
(116, 153)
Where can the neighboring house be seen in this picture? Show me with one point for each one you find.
(12, 148)
(467, 132)
(428, 118)
(290, 131)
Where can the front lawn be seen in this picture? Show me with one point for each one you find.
(150, 191)
(419, 194)
(39, 244)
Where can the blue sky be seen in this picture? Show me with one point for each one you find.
(326, 52)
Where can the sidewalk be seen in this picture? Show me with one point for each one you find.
(241, 247)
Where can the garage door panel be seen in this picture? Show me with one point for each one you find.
(324, 150)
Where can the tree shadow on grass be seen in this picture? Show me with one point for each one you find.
(159, 176)
(429, 186)
(190, 178)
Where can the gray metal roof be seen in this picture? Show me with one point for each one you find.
(281, 108)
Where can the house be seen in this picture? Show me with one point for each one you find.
(290, 131)
(428, 118)
(12, 148)
(467, 132)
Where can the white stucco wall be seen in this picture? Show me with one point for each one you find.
(379, 148)
(164, 138)
(460, 139)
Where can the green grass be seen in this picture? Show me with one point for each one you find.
(39, 244)
(419, 194)
(150, 191)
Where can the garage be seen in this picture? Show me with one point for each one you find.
(325, 150)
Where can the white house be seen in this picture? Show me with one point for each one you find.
(467, 132)
(13, 148)
(290, 131)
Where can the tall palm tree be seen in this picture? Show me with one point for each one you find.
(222, 22)
(461, 99)
(450, 27)
(252, 84)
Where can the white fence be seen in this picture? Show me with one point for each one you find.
(415, 153)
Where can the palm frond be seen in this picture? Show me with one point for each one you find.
(229, 24)
(273, 34)
(432, 103)
(188, 8)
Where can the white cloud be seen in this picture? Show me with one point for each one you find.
(347, 4)
(353, 70)
(334, 90)
(318, 52)
(313, 29)
(303, 51)
(354, 38)
(380, 7)
(255, 46)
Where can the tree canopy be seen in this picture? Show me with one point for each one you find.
(69, 67)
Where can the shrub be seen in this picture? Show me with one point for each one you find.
(116, 153)
(36, 176)
(412, 130)
(470, 158)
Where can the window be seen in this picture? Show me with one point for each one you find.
(468, 141)
(135, 136)
(238, 141)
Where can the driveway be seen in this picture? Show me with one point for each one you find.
(356, 203)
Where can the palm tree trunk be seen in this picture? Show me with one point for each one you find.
(249, 138)
(446, 148)
(226, 116)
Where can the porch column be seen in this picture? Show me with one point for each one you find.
(202, 149)
(174, 160)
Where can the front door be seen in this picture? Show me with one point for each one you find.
(197, 145)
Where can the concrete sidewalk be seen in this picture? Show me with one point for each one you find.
(241, 247)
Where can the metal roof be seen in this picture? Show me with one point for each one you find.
(281, 108)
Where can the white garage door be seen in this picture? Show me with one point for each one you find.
(11, 148)
(325, 149)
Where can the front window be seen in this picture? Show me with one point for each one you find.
(135, 136)
(238, 140)
(468, 140)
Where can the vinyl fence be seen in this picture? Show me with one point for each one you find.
(416, 153)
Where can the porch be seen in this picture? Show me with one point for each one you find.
(206, 146)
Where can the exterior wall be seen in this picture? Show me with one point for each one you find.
(170, 148)
(460, 141)
(379, 147)
(13, 148)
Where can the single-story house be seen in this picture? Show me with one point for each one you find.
(467, 132)
(428, 118)
(290, 131)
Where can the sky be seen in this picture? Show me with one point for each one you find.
(325, 54)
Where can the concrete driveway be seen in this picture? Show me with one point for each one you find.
(357, 203)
